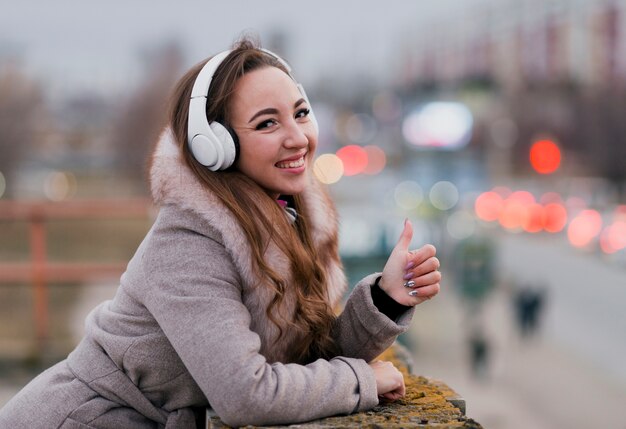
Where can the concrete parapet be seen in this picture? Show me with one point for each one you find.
(428, 403)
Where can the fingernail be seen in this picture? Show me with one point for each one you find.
(408, 276)
(413, 292)
(410, 265)
(410, 283)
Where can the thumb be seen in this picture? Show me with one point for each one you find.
(405, 237)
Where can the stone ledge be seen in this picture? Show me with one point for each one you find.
(428, 403)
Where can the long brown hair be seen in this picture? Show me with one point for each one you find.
(259, 216)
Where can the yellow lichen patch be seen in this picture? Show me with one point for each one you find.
(427, 404)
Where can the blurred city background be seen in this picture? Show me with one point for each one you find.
(497, 126)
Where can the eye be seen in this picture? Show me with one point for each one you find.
(265, 124)
(302, 113)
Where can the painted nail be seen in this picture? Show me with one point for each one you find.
(410, 265)
(413, 292)
(410, 283)
(408, 276)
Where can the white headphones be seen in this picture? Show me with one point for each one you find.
(213, 145)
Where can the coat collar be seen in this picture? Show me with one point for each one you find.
(173, 182)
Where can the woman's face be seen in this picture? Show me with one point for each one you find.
(277, 139)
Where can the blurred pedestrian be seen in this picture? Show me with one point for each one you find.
(528, 303)
(229, 301)
(479, 354)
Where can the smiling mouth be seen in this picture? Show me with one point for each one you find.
(291, 164)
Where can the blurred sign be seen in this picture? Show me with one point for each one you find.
(439, 125)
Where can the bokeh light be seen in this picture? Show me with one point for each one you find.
(444, 195)
(524, 197)
(360, 128)
(461, 225)
(575, 204)
(408, 195)
(545, 156)
(503, 191)
(550, 197)
(354, 159)
(59, 186)
(443, 125)
(554, 217)
(534, 220)
(584, 228)
(514, 214)
(386, 107)
(488, 206)
(613, 237)
(328, 168)
(376, 160)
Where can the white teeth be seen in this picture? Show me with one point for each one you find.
(291, 164)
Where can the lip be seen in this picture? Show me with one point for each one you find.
(294, 170)
(293, 158)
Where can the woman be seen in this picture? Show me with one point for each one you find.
(229, 301)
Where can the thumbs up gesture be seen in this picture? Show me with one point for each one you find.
(411, 277)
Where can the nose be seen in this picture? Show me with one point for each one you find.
(296, 135)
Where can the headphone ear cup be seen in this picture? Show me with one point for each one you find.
(206, 151)
(228, 145)
(235, 138)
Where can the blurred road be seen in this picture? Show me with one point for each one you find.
(586, 295)
(569, 375)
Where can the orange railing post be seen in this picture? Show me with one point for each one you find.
(40, 291)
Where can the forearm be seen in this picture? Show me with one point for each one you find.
(362, 330)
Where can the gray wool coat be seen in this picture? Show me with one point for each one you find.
(187, 330)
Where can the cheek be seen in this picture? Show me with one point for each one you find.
(312, 136)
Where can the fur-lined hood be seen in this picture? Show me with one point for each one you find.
(173, 182)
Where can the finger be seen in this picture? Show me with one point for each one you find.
(425, 292)
(429, 265)
(424, 280)
(391, 396)
(405, 237)
(421, 255)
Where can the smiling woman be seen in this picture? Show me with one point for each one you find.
(229, 301)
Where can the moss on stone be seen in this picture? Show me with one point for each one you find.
(427, 404)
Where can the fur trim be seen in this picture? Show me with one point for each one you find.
(172, 182)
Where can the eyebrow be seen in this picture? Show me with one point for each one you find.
(273, 111)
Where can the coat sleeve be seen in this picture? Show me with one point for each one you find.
(361, 330)
(194, 293)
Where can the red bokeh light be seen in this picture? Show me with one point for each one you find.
(523, 197)
(354, 159)
(488, 206)
(376, 160)
(545, 156)
(550, 197)
(613, 237)
(554, 217)
(584, 228)
(535, 218)
(514, 215)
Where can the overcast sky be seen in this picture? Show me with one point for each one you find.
(72, 44)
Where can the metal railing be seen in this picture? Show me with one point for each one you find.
(39, 271)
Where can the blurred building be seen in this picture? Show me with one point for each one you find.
(513, 42)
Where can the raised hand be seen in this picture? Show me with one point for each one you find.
(411, 277)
